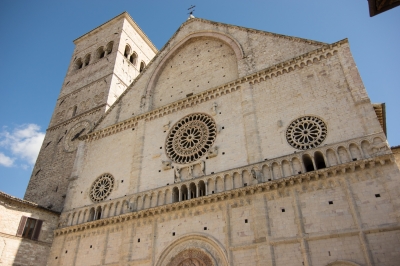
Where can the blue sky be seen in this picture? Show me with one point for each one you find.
(36, 47)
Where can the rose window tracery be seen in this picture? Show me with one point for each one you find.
(102, 188)
(306, 132)
(190, 138)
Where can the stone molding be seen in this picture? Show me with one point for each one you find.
(65, 96)
(130, 20)
(78, 117)
(322, 174)
(215, 92)
(5, 197)
(291, 38)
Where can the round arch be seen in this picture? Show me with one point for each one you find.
(199, 247)
(230, 41)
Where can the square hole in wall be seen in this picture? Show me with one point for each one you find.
(377, 195)
(66, 251)
(299, 172)
(173, 233)
(212, 172)
(246, 221)
(269, 179)
(160, 148)
(122, 181)
(133, 129)
(223, 127)
(56, 257)
(283, 210)
(90, 246)
(330, 202)
(205, 228)
(245, 184)
(138, 240)
(213, 192)
(159, 170)
(354, 159)
(223, 153)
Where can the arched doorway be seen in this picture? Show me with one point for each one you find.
(193, 250)
(191, 257)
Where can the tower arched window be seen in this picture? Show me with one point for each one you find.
(74, 110)
(127, 51)
(109, 47)
(87, 60)
(142, 66)
(100, 52)
(78, 63)
(133, 58)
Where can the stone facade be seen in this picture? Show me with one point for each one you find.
(99, 71)
(21, 250)
(232, 147)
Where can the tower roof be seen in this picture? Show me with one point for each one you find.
(131, 21)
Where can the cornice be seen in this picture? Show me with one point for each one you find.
(78, 117)
(322, 174)
(267, 33)
(5, 196)
(84, 87)
(130, 20)
(215, 92)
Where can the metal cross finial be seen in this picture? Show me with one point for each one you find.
(191, 10)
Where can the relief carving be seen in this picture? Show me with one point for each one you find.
(214, 109)
(190, 172)
(166, 165)
(213, 152)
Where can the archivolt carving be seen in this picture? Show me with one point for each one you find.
(191, 257)
(193, 250)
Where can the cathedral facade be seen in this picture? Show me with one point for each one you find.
(229, 146)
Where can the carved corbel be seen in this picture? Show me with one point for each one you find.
(213, 152)
(214, 109)
(166, 165)
(166, 126)
(177, 174)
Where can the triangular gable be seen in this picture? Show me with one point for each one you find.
(254, 50)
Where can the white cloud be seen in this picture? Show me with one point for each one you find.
(23, 142)
(5, 160)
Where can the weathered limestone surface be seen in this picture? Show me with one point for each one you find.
(86, 94)
(247, 197)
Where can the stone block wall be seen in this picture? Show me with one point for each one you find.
(15, 250)
(314, 222)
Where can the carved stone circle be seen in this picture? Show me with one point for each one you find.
(102, 187)
(190, 138)
(306, 132)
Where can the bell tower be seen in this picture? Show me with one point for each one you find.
(104, 62)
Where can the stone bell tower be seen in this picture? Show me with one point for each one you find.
(104, 62)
